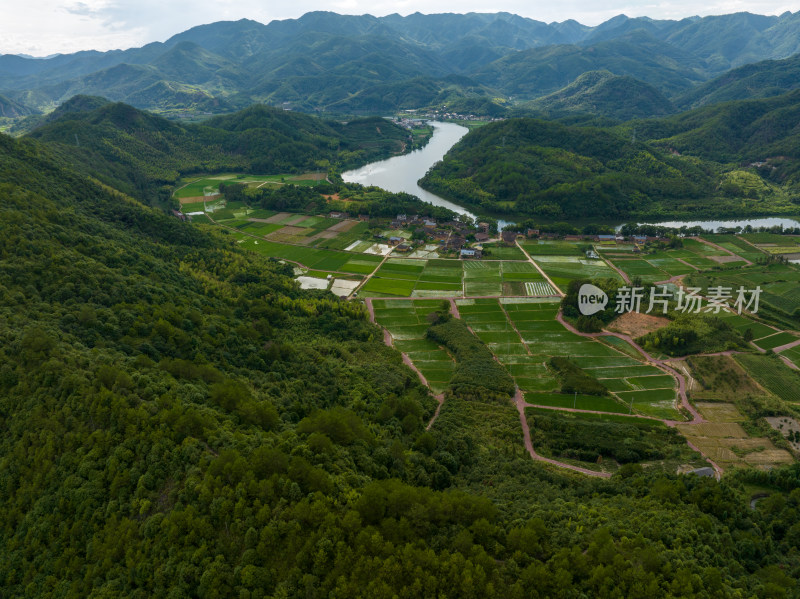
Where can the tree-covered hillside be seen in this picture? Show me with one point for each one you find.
(602, 93)
(144, 155)
(324, 61)
(551, 170)
(759, 80)
(181, 420)
(750, 131)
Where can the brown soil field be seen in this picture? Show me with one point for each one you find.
(637, 324)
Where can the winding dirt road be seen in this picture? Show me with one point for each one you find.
(696, 417)
(519, 401)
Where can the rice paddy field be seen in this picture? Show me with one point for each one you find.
(772, 374)
(407, 322)
(737, 245)
(312, 258)
(779, 283)
(525, 335)
(565, 268)
(724, 440)
(410, 277)
(210, 184)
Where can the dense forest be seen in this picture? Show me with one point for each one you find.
(551, 170)
(735, 158)
(181, 420)
(144, 155)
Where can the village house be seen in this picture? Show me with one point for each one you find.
(456, 242)
(482, 237)
(337, 215)
(429, 224)
(532, 233)
(467, 253)
(363, 217)
(509, 237)
(393, 241)
(483, 227)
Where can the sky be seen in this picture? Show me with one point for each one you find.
(44, 27)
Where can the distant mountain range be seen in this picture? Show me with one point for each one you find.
(362, 64)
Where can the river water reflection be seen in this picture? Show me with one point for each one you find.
(401, 173)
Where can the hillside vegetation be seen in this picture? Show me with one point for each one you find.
(547, 169)
(734, 158)
(181, 420)
(602, 93)
(324, 61)
(144, 155)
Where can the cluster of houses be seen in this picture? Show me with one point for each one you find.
(466, 240)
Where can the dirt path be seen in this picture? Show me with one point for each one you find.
(789, 363)
(696, 417)
(722, 249)
(516, 330)
(714, 465)
(387, 339)
(537, 267)
(439, 397)
(454, 309)
(781, 348)
(369, 276)
(682, 261)
(620, 272)
(519, 401)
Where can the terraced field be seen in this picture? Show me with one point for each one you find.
(563, 268)
(525, 335)
(407, 322)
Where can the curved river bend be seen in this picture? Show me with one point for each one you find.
(401, 173)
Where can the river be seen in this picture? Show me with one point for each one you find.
(401, 173)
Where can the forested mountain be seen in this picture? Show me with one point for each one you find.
(751, 131)
(144, 154)
(672, 166)
(321, 60)
(758, 80)
(551, 170)
(180, 420)
(540, 71)
(604, 94)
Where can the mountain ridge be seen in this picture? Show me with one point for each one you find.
(235, 63)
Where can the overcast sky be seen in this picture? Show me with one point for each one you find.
(42, 27)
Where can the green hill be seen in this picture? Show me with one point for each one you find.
(605, 94)
(758, 80)
(746, 131)
(323, 61)
(547, 169)
(540, 71)
(144, 155)
(181, 420)
(12, 109)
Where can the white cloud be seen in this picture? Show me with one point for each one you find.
(42, 27)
